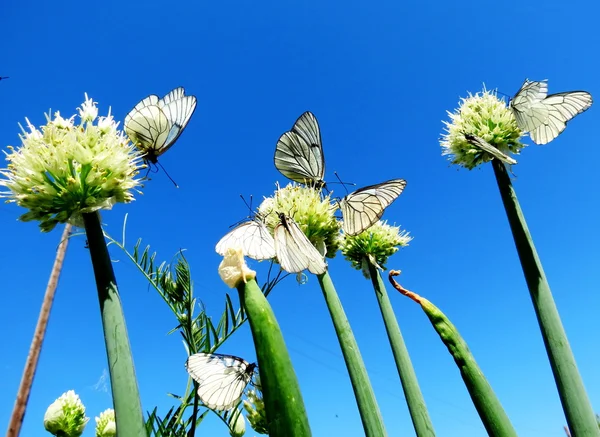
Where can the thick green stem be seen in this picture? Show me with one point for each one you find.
(365, 398)
(414, 398)
(575, 402)
(284, 406)
(493, 416)
(126, 398)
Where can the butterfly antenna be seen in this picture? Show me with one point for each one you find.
(249, 206)
(170, 178)
(342, 183)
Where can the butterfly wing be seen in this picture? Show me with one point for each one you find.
(221, 378)
(254, 239)
(527, 107)
(148, 128)
(294, 250)
(179, 109)
(483, 145)
(362, 208)
(299, 152)
(560, 108)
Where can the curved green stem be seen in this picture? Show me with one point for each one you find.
(493, 416)
(365, 398)
(410, 385)
(576, 405)
(284, 406)
(126, 399)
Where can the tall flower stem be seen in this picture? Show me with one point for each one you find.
(493, 416)
(284, 406)
(126, 398)
(575, 402)
(16, 420)
(365, 397)
(410, 385)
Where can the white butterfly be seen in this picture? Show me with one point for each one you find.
(221, 379)
(481, 144)
(154, 124)
(294, 250)
(299, 152)
(545, 116)
(252, 237)
(362, 208)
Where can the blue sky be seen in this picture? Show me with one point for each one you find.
(379, 76)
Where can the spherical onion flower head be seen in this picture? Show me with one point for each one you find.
(64, 169)
(314, 215)
(375, 244)
(483, 115)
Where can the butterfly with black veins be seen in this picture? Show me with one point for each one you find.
(362, 208)
(299, 152)
(252, 237)
(154, 124)
(294, 250)
(221, 379)
(545, 116)
(481, 144)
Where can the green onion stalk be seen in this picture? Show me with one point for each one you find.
(578, 410)
(313, 212)
(483, 122)
(363, 391)
(369, 252)
(284, 406)
(410, 385)
(493, 416)
(66, 172)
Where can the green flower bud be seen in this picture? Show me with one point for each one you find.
(485, 116)
(375, 244)
(255, 409)
(65, 417)
(105, 424)
(62, 169)
(314, 215)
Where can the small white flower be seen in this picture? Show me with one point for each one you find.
(88, 111)
(233, 268)
(105, 424)
(66, 416)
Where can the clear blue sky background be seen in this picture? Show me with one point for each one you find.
(379, 76)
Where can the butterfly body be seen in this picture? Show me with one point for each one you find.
(221, 378)
(545, 116)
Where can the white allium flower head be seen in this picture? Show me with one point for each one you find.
(66, 416)
(483, 115)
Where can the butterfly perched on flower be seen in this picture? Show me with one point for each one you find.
(299, 152)
(362, 208)
(221, 379)
(154, 124)
(545, 116)
(484, 146)
(294, 250)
